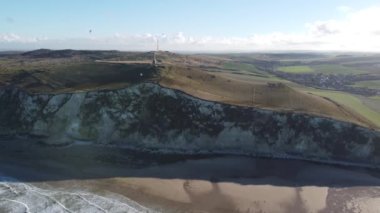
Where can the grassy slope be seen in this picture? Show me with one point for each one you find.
(253, 91)
(246, 89)
(371, 102)
(352, 102)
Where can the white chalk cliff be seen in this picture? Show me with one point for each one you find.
(147, 116)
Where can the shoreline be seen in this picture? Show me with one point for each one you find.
(191, 154)
(201, 183)
(256, 155)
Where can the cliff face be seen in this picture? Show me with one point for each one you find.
(148, 116)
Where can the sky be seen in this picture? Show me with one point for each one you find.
(191, 25)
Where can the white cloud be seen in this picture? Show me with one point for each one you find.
(357, 31)
(14, 38)
(10, 37)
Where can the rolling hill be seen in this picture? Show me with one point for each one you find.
(218, 78)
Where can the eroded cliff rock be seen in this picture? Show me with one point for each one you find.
(147, 116)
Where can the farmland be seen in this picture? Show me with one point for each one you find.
(336, 69)
(296, 69)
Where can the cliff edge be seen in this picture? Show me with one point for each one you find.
(148, 116)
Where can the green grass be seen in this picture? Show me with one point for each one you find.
(268, 78)
(352, 102)
(242, 67)
(249, 71)
(368, 84)
(335, 69)
(321, 68)
(373, 103)
(296, 69)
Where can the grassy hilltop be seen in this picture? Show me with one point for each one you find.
(271, 81)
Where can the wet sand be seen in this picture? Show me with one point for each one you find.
(175, 183)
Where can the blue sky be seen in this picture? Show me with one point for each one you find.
(180, 24)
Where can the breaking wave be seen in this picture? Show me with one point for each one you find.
(16, 196)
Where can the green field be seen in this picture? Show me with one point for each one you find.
(295, 69)
(241, 67)
(245, 69)
(352, 102)
(335, 69)
(321, 68)
(368, 84)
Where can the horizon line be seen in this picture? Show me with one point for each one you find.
(199, 51)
